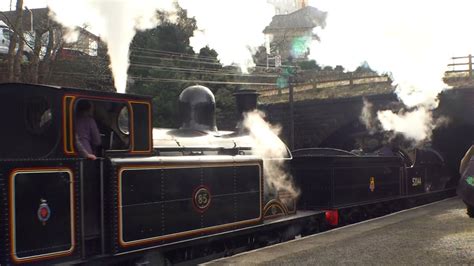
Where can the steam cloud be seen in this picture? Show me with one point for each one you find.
(233, 28)
(412, 39)
(220, 26)
(273, 150)
(416, 125)
(115, 21)
(366, 116)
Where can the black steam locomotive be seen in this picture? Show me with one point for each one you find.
(171, 195)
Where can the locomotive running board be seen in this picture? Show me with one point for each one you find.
(301, 217)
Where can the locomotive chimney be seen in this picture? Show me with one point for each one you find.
(246, 101)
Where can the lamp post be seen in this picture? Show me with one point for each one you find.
(291, 80)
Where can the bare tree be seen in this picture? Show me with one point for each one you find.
(34, 63)
(15, 39)
(46, 66)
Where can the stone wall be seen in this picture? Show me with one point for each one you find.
(330, 122)
(317, 120)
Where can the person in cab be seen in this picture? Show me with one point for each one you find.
(87, 133)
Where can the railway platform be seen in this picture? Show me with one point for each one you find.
(437, 233)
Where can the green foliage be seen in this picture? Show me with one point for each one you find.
(328, 68)
(225, 104)
(152, 70)
(309, 65)
(339, 68)
(207, 52)
(90, 72)
(163, 63)
(364, 68)
(260, 56)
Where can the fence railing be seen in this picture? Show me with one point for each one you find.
(464, 62)
(343, 80)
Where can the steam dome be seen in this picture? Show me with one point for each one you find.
(197, 107)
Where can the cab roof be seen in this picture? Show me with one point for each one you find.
(69, 90)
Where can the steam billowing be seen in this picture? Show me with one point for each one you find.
(114, 21)
(221, 26)
(412, 39)
(233, 28)
(267, 145)
(366, 116)
(415, 125)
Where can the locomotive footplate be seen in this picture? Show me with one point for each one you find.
(301, 220)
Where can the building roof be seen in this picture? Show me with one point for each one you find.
(33, 19)
(305, 18)
(38, 19)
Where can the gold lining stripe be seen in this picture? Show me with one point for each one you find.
(287, 195)
(68, 143)
(33, 258)
(277, 203)
(132, 128)
(69, 148)
(185, 233)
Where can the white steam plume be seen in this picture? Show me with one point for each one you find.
(412, 39)
(115, 21)
(233, 28)
(416, 125)
(366, 116)
(267, 144)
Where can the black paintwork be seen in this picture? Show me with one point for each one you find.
(331, 179)
(157, 198)
(246, 101)
(20, 122)
(31, 237)
(158, 201)
(141, 129)
(197, 107)
(28, 133)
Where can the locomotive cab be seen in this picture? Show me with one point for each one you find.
(55, 203)
(30, 122)
(41, 120)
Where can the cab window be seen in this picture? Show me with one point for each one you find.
(38, 115)
(112, 119)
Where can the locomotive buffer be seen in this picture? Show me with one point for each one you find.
(437, 233)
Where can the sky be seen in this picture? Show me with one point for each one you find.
(411, 40)
(387, 34)
(5, 4)
(414, 40)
